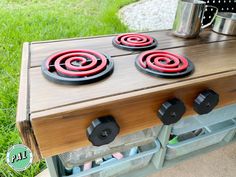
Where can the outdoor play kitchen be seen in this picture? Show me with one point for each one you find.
(130, 104)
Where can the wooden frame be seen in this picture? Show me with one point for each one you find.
(56, 123)
(22, 117)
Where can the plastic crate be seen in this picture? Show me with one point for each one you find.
(213, 134)
(198, 121)
(90, 153)
(125, 165)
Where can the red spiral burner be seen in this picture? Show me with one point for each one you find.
(133, 41)
(164, 64)
(77, 66)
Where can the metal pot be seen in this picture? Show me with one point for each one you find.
(225, 23)
(189, 16)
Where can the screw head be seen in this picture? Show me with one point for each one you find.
(102, 130)
(171, 111)
(205, 102)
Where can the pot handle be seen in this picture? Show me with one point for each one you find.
(208, 24)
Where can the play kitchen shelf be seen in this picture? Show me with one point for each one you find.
(216, 127)
(91, 92)
(216, 135)
(219, 134)
(210, 135)
(125, 165)
(120, 144)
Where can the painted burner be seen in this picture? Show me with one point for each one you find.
(77, 66)
(162, 63)
(134, 42)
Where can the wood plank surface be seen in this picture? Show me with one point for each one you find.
(41, 50)
(66, 131)
(208, 59)
(22, 116)
(60, 114)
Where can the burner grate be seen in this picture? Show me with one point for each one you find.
(164, 64)
(77, 67)
(132, 41)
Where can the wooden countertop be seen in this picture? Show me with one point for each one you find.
(51, 110)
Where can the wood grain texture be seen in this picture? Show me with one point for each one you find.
(215, 66)
(22, 117)
(208, 59)
(60, 114)
(40, 51)
(66, 130)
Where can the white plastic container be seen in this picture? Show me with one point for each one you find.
(213, 134)
(90, 153)
(125, 165)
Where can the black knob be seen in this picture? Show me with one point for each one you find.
(102, 130)
(171, 111)
(205, 101)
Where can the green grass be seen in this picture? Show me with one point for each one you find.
(32, 20)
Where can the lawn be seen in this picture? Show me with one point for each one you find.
(32, 20)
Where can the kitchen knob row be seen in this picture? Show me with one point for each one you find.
(172, 110)
(103, 130)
